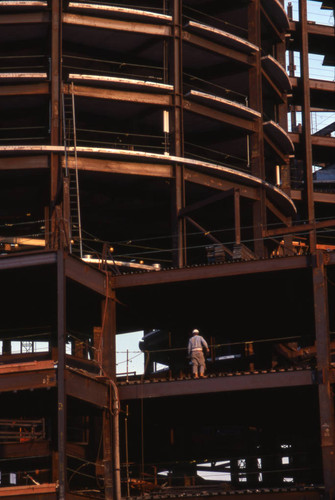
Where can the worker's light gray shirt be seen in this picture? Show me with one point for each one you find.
(197, 342)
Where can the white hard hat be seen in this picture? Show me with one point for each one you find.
(195, 331)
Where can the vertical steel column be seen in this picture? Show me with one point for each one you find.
(55, 167)
(110, 418)
(107, 454)
(291, 70)
(177, 143)
(285, 173)
(257, 139)
(237, 212)
(326, 396)
(306, 123)
(108, 334)
(61, 399)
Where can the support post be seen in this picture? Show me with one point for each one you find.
(107, 454)
(61, 399)
(285, 174)
(111, 416)
(326, 396)
(177, 142)
(257, 139)
(56, 240)
(306, 123)
(237, 211)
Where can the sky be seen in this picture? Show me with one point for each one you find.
(316, 68)
(135, 363)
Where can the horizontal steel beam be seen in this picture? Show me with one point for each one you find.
(317, 140)
(28, 260)
(74, 269)
(45, 491)
(299, 228)
(120, 167)
(25, 18)
(211, 46)
(216, 170)
(214, 114)
(86, 275)
(220, 184)
(39, 375)
(211, 271)
(86, 389)
(121, 95)
(319, 197)
(24, 163)
(260, 494)
(25, 449)
(315, 29)
(217, 384)
(323, 85)
(117, 25)
(157, 170)
(25, 89)
(28, 380)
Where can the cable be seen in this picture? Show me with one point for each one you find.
(245, 30)
(228, 91)
(119, 63)
(188, 234)
(99, 2)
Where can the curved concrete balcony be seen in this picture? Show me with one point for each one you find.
(277, 14)
(217, 102)
(279, 137)
(222, 37)
(23, 3)
(140, 158)
(113, 81)
(120, 12)
(276, 73)
(10, 77)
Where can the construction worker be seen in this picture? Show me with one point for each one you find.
(195, 348)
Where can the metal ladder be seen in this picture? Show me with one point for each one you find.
(70, 149)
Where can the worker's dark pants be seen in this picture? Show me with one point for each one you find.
(198, 362)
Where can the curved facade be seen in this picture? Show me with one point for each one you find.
(149, 182)
(178, 110)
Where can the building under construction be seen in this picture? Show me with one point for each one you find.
(159, 172)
